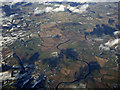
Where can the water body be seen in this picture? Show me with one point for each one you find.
(91, 67)
(61, 44)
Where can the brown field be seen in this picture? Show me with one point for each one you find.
(101, 61)
(109, 77)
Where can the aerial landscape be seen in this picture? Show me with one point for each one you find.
(60, 45)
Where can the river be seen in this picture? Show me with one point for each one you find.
(77, 59)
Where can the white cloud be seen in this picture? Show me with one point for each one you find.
(57, 5)
(109, 44)
(81, 9)
(84, 7)
(112, 43)
(48, 9)
(104, 48)
(38, 11)
(14, 1)
(80, 0)
(60, 9)
(60, 0)
(78, 10)
(116, 42)
(116, 33)
(71, 8)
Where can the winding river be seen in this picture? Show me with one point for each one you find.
(89, 71)
(77, 59)
(62, 43)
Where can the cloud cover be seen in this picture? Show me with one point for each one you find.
(62, 8)
(59, 0)
(116, 42)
